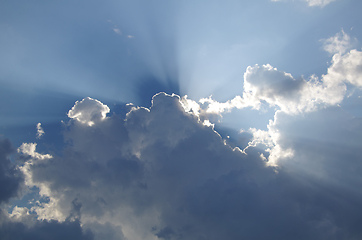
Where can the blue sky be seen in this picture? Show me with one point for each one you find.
(181, 119)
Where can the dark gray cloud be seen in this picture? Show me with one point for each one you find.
(161, 173)
(44, 230)
(10, 177)
(326, 145)
(23, 225)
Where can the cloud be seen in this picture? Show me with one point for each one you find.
(312, 3)
(43, 230)
(88, 111)
(10, 177)
(320, 3)
(295, 96)
(345, 68)
(339, 43)
(117, 30)
(39, 131)
(266, 84)
(161, 173)
(280, 89)
(20, 224)
(30, 149)
(14, 229)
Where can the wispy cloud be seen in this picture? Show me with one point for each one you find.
(40, 131)
(320, 3)
(311, 3)
(117, 30)
(340, 43)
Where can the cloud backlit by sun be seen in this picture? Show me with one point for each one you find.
(181, 120)
(120, 171)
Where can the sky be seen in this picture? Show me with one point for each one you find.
(197, 120)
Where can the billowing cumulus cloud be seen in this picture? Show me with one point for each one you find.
(160, 173)
(165, 173)
(345, 68)
(278, 88)
(88, 111)
(266, 84)
(259, 148)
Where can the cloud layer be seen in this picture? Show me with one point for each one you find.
(160, 173)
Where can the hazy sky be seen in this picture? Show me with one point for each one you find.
(197, 120)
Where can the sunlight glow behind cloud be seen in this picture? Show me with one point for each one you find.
(207, 120)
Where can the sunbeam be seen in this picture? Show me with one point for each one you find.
(177, 120)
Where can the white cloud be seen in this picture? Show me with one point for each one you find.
(215, 107)
(117, 30)
(270, 141)
(312, 3)
(279, 89)
(294, 96)
(339, 43)
(262, 83)
(266, 84)
(345, 68)
(190, 106)
(30, 149)
(320, 3)
(39, 131)
(208, 123)
(88, 111)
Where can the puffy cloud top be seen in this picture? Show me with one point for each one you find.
(89, 111)
(273, 86)
(295, 96)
